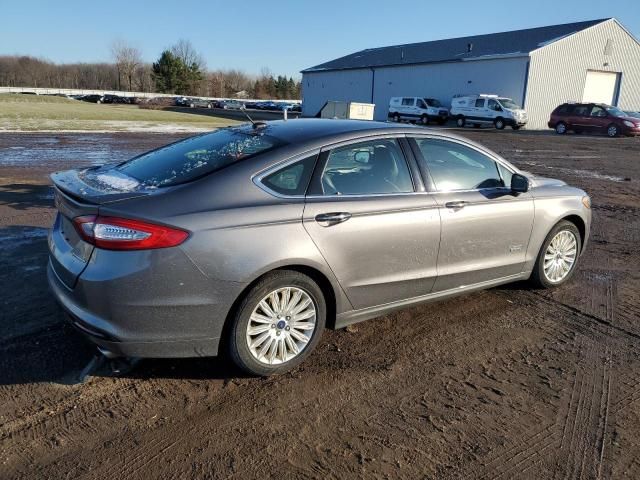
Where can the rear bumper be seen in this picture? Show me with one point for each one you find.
(146, 306)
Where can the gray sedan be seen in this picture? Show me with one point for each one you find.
(255, 238)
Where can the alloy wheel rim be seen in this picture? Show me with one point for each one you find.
(613, 131)
(560, 256)
(281, 326)
(560, 128)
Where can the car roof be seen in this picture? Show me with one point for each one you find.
(310, 129)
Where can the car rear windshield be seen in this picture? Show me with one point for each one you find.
(195, 157)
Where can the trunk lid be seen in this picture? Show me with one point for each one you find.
(79, 193)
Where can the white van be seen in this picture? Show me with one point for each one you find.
(482, 109)
(417, 109)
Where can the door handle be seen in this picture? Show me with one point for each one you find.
(457, 205)
(333, 218)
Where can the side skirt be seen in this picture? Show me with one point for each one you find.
(354, 316)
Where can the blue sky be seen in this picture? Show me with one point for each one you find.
(283, 35)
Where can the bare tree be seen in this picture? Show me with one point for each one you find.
(186, 52)
(127, 59)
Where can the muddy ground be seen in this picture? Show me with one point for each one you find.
(506, 383)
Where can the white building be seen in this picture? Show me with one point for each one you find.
(539, 68)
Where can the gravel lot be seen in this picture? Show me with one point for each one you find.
(506, 383)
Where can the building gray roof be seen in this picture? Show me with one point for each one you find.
(514, 43)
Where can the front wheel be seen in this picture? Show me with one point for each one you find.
(558, 257)
(424, 120)
(499, 123)
(460, 121)
(561, 128)
(278, 323)
(515, 127)
(396, 118)
(613, 130)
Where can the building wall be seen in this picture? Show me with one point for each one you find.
(558, 71)
(343, 85)
(505, 76)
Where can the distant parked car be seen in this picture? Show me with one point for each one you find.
(418, 109)
(480, 110)
(593, 118)
(232, 105)
(297, 107)
(92, 98)
(115, 99)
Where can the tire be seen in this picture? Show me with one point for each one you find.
(515, 127)
(561, 128)
(613, 130)
(396, 118)
(539, 277)
(424, 120)
(209, 105)
(499, 123)
(460, 121)
(191, 105)
(246, 357)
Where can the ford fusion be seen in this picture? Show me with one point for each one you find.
(253, 239)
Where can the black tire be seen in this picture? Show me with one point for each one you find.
(424, 120)
(237, 342)
(538, 277)
(499, 123)
(396, 117)
(613, 130)
(461, 121)
(516, 127)
(561, 128)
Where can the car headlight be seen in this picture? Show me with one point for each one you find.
(586, 201)
(629, 124)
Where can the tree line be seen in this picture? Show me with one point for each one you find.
(179, 70)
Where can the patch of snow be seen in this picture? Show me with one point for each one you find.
(117, 180)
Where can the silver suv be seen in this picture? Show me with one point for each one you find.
(257, 237)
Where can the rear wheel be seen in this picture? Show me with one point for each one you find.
(561, 128)
(558, 257)
(277, 324)
(396, 118)
(460, 121)
(424, 120)
(613, 130)
(499, 123)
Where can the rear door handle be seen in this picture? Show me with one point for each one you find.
(458, 204)
(333, 218)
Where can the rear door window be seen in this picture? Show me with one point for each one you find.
(195, 157)
(581, 110)
(480, 103)
(408, 102)
(372, 167)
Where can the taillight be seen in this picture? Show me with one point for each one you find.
(112, 233)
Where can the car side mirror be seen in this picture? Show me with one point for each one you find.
(519, 183)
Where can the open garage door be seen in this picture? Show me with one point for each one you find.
(601, 87)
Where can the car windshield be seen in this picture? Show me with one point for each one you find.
(195, 157)
(432, 102)
(508, 103)
(616, 112)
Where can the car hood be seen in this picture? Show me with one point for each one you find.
(100, 185)
(539, 181)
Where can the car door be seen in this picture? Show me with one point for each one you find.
(369, 215)
(408, 107)
(485, 227)
(580, 117)
(598, 120)
(480, 110)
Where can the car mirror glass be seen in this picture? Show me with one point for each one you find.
(519, 183)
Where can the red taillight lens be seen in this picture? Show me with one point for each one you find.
(112, 233)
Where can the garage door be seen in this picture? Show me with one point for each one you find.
(600, 87)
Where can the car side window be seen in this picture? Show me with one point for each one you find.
(480, 103)
(454, 166)
(493, 105)
(407, 102)
(292, 179)
(421, 104)
(581, 110)
(372, 167)
(597, 111)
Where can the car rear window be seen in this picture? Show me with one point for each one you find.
(195, 157)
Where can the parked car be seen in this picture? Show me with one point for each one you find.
(479, 110)
(232, 105)
(311, 223)
(92, 98)
(593, 118)
(419, 109)
(115, 99)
